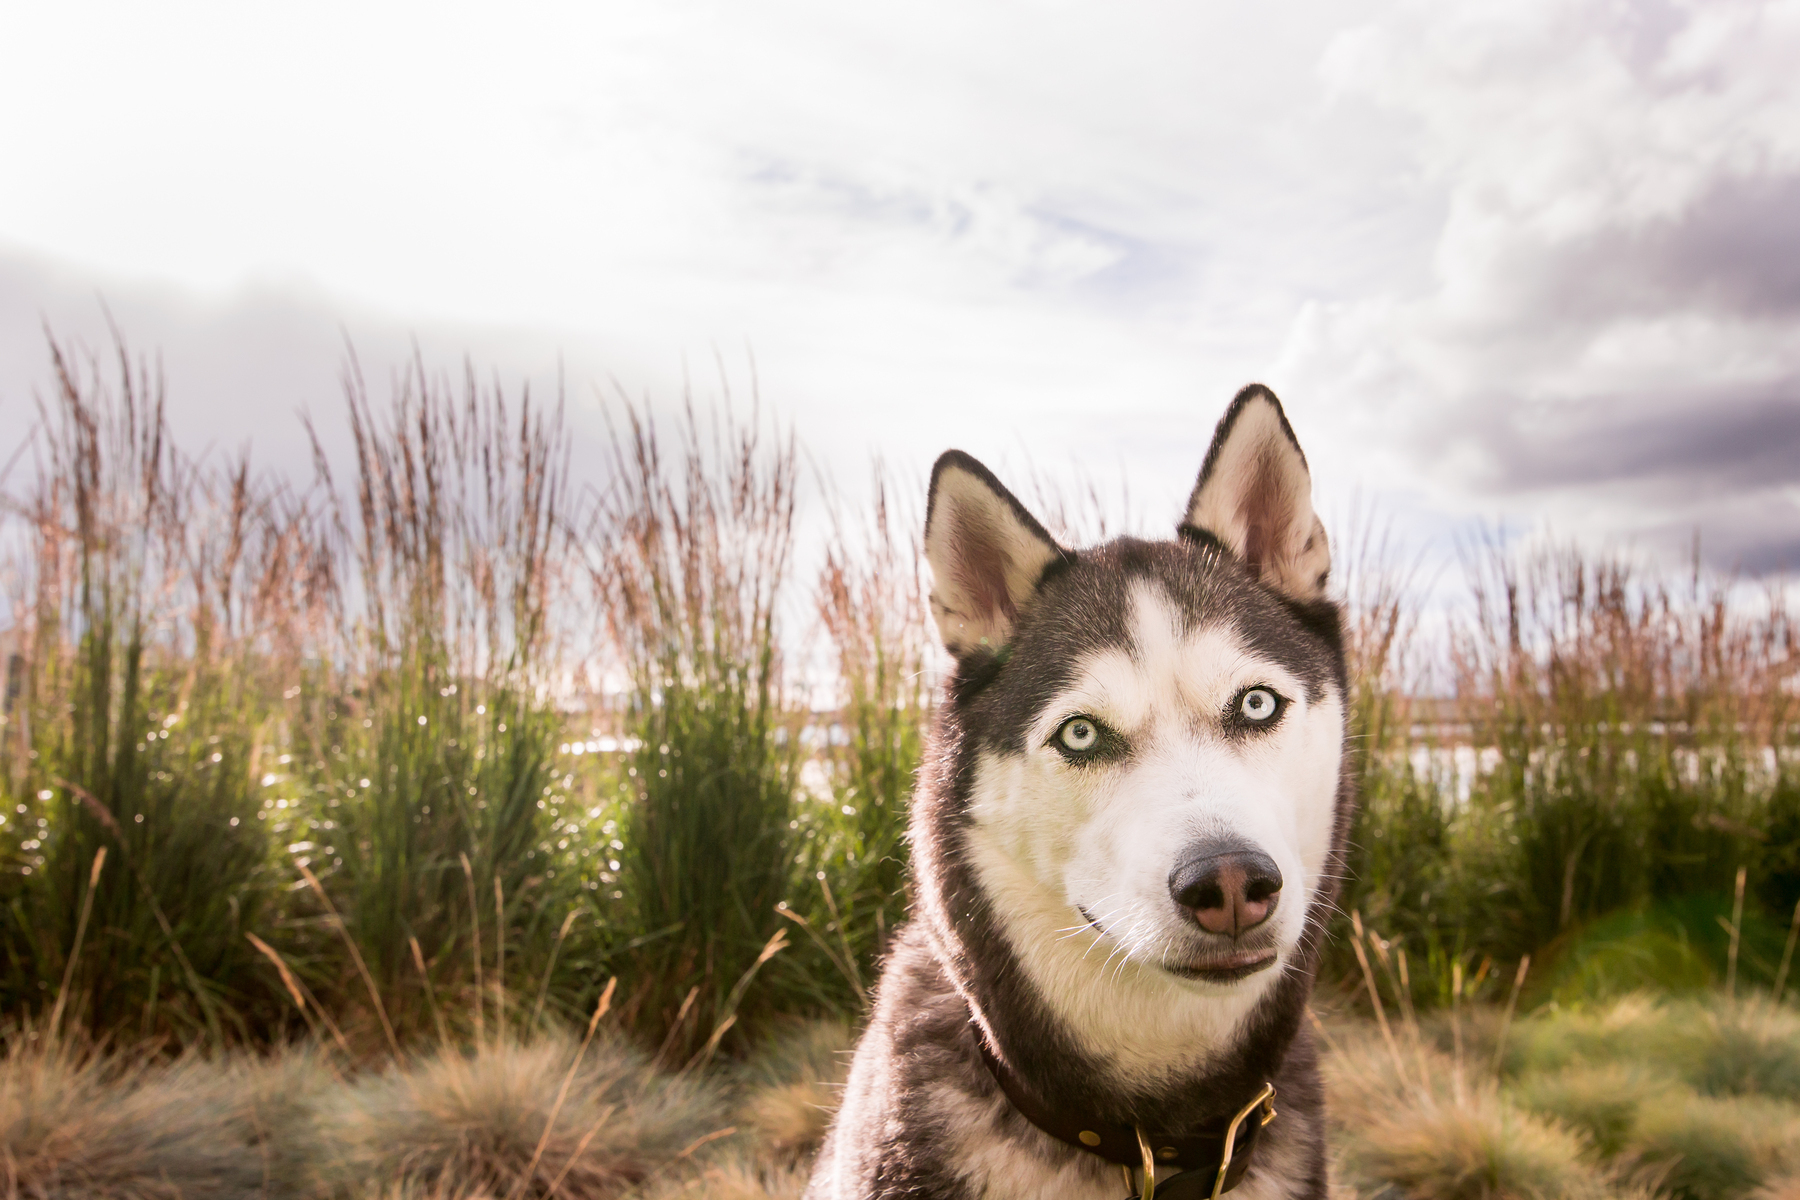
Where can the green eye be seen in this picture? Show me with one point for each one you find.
(1078, 734)
(1259, 705)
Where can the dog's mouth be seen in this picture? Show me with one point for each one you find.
(1226, 969)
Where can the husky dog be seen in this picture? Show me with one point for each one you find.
(1125, 841)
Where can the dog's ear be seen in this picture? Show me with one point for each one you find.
(986, 552)
(1254, 497)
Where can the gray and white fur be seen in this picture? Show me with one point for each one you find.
(1126, 837)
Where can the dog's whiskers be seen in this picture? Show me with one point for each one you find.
(1131, 934)
(1093, 924)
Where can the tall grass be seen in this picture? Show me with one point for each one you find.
(157, 607)
(1615, 748)
(1644, 733)
(1400, 842)
(422, 785)
(689, 560)
(226, 683)
(870, 600)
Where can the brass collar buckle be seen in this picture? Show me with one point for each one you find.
(1265, 1100)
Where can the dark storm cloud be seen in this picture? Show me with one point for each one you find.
(1690, 447)
(1767, 547)
(1699, 440)
(1612, 341)
(1740, 248)
(1693, 452)
(1728, 261)
(1733, 252)
(1752, 533)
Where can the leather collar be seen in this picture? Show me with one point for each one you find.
(1198, 1151)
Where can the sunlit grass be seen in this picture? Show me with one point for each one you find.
(1641, 1096)
(522, 1120)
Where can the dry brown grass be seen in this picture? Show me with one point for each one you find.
(1601, 1102)
(1714, 1148)
(1785, 1188)
(791, 1119)
(739, 1177)
(1687, 1099)
(792, 1088)
(74, 1123)
(462, 1126)
(1402, 1123)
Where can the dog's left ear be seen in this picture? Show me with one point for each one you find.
(1255, 497)
(987, 555)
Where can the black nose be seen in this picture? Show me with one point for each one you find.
(1228, 892)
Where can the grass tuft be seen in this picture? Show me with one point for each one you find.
(1718, 1149)
(1483, 1149)
(76, 1123)
(1786, 1187)
(1714, 1045)
(1403, 1121)
(1600, 1102)
(1684, 1096)
(738, 1177)
(462, 1126)
(1748, 1049)
(793, 1085)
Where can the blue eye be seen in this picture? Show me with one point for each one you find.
(1078, 734)
(1259, 705)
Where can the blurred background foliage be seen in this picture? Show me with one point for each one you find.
(440, 744)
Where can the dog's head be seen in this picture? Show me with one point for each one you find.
(1150, 733)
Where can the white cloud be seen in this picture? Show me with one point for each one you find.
(436, 161)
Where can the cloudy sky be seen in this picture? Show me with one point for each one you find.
(1523, 261)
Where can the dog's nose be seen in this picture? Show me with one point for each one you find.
(1230, 893)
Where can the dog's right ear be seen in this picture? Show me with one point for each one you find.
(986, 552)
(1255, 497)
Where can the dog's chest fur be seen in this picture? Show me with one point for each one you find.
(922, 1116)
